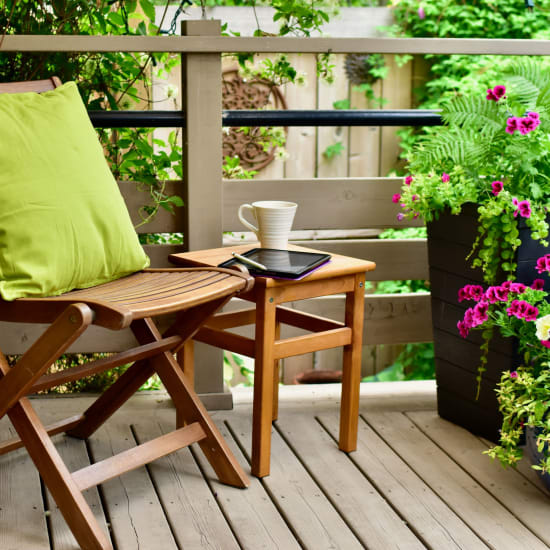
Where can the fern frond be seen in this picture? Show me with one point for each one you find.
(543, 100)
(529, 71)
(472, 112)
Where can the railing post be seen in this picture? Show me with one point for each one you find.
(202, 182)
(202, 141)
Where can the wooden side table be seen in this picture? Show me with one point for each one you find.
(342, 275)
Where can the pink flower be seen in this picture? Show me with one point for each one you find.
(462, 329)
(497, 187)
(526, 125)
(445, 177)
(499, 91)
(512, 124)
(421, 13)
(538, 284)
(522, 310)
(408, 180)
(545, 343)
(524, 209)
(496, 93)
(491, 95)
(470, 292)
(396, 198)
(414, 198)
(543, 264)
(496, 294)
(518, 288)
(400, 216)
(481, 312)
(533, 115)
(513, 374)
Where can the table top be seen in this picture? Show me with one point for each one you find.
(337, 266)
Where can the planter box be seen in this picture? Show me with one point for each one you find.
(456, 359)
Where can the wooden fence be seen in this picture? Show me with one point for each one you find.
(325, 203)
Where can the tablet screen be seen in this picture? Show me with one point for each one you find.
(282, 263)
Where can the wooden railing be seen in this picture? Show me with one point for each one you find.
(211, 204)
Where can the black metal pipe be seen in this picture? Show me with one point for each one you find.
(352, 117)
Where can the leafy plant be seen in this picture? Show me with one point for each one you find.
(524, 313)
(493, 153)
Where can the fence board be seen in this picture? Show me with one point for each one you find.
(301, 141)
(336, 166)
(323, 203)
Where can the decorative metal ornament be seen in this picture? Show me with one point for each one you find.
(249, 94)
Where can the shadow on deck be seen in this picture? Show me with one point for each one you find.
(415, 481)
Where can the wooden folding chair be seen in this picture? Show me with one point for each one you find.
(192, 295)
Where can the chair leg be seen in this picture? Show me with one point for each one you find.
(262, 411)
(351, 375)
(57, 478)
(190, 409)
(145, 331)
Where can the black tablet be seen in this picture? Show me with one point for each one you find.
(283, 264)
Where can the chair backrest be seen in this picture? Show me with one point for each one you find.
(38, 86)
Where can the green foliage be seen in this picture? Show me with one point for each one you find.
(334, 150)
(415, 362)
(458, 163)
(522, 394)
(113, 81)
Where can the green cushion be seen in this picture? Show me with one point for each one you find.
(63, 221)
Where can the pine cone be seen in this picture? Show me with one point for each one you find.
(357, 67)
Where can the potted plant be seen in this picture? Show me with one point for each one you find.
(482, 183)
(524, 393)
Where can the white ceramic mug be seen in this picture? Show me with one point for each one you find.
(274, 219)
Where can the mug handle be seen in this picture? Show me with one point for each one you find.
(246, 223)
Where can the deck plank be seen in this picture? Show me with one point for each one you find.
(468, 499)
(253, 515)
(523, 499)
(74, 453)
(309, 512)
(22, 518)
(373, 520)
(427, 514)
(190, 507)
(133, 508)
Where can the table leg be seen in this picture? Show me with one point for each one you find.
(263, 383)
(275, 414)
(186, 360)
(351, 375)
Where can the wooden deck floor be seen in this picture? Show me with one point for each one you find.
(415, 481)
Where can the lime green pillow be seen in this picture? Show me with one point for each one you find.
(63, 221)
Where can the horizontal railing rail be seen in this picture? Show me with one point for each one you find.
(340, 117)
(270, 44)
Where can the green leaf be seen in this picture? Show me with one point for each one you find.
(148, 9)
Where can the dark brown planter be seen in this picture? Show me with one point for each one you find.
(456, 359)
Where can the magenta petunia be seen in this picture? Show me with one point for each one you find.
(524, 209)
(496, 294)
(545, 343)
(396, 198)
(497, 187)
(462, 329)
(512, 124)
(421, 13)
(522, 310)
(533, 115)
(481, 312)
(470, 292)
(400, 217)
(408, 180)
(517, 288)
(491, 96)
(543, 264)
(513, 374)
(445, 177)
(526, 125)
(538, 284)
(499, 91)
